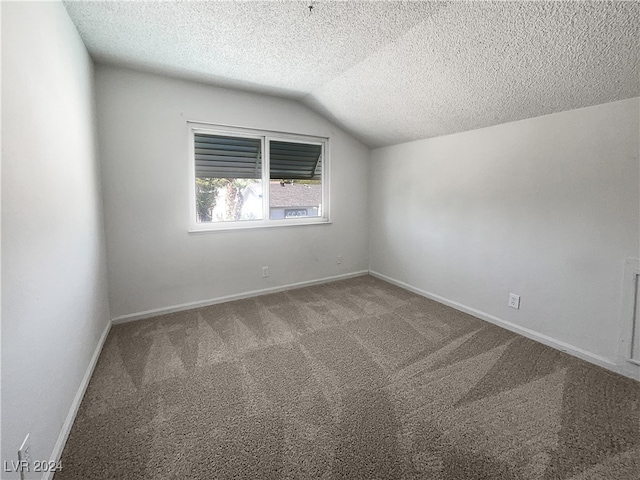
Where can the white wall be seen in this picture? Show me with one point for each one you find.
(54, 288)
(547, 208)
(153, 262)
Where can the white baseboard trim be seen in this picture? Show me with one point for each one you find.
(75, 405)
(525, 332)
(229, 298)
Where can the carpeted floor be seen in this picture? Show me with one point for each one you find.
(352, 379)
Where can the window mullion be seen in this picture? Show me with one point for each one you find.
(325, 184)
(266, 180)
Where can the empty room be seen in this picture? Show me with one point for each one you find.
(320, 239)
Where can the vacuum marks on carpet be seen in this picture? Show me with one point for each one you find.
(354, 379)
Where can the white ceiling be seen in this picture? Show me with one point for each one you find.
(387, 71)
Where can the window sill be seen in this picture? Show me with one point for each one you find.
(236, 227)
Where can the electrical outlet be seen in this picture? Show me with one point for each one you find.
(339, 260)
(514, 301)
(24, 457)
(265, 272)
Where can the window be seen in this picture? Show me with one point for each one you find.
(248, 178)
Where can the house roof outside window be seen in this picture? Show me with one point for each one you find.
(294, 194)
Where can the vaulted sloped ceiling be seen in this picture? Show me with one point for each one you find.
(390, 71)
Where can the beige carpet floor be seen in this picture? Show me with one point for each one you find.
(356, 379)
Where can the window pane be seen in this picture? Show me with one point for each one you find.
(228, 199)
(295, 199)
(228, 178)
(295, 187)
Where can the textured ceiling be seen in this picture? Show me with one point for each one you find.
(388, 72)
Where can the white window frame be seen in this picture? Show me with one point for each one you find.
(265, 136)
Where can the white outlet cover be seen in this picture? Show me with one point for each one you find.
(514, 301)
